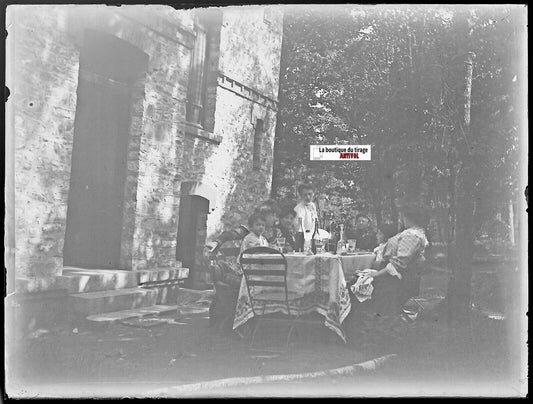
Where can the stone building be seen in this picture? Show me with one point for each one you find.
(138, 131)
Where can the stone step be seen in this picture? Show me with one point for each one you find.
(115, 316)
(166, 293)
(191, 296)
(95, 282)
(78, 280)
(161, 274)
(36, 285)
(113, 300)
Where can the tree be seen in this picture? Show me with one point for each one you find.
(463, 178)
(356, 75)
(442, 123)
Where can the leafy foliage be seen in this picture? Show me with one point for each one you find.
(385, 76)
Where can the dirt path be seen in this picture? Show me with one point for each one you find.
(184, 351)
(126, 361)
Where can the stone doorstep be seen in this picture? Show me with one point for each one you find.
(113, 317)
(91, 282)
(80, 280)
(113, 300)
(161, 274)
(187, 296)
(85, 271)
(166, 294)
(35, 285)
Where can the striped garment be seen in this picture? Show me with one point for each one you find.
(406, 247)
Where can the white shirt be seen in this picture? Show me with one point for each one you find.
(308, 214)
(253, 240)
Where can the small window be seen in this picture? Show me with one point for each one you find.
(258, 139)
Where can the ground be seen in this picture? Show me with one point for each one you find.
(131, 361)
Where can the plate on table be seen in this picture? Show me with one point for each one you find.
(360, 253)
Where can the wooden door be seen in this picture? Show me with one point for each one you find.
(192, 227)
(109, 67)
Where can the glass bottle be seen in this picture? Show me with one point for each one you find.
(332, 241)
(341, 244)
(313, 237)
(299, 239)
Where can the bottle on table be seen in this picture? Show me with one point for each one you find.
(314, 237)
(341, 244)
(299, 239)
(326, 247)
(332, 241)
(336, 238)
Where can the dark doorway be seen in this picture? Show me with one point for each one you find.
(109, 70)
(192, 228)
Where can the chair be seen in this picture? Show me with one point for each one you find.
(269, 274)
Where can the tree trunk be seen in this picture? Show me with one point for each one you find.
(389, 186)
(378, 194)
(459, 289)
(395, 216)
(450, 222)
(377, 207)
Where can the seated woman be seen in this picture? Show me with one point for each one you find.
(365, 236)
(286, 227)
(362, 288)
(396, 280)
(384, 233)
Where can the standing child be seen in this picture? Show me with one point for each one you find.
(255, 238)
(306, 210)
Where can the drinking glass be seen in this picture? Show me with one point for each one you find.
(307, 247)
(280, 242)
(319, 246)
(351, 245)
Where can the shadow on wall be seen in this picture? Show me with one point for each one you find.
(230, 169)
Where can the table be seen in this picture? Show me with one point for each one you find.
(320, 282)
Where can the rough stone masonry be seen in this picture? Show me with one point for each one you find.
(164, 150)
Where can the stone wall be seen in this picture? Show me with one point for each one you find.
(250, 47)
(44, 66)
(229, 170)
(247, 81)
(46, 47)
(163, 151)
(250, 51)
(151, 200)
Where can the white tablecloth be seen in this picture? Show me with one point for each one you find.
(319, 281)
